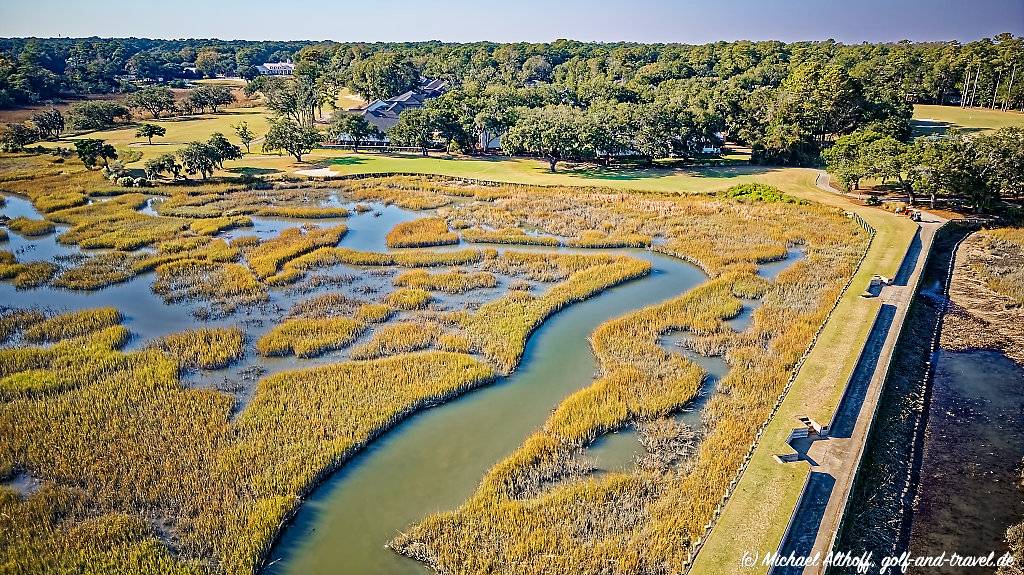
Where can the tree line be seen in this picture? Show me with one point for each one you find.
(786, 101)
(981, 169)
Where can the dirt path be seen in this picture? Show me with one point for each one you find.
(979, 317)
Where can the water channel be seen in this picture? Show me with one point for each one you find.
(434, 460)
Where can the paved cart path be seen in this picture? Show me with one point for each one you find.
(838, 456)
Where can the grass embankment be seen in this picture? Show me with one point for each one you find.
(768, 491)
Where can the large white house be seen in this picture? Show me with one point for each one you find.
(275, 69)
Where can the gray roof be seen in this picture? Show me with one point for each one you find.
(384, 120)
(383, 114)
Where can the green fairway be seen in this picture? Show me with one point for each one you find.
(530, 171)
(931, 119)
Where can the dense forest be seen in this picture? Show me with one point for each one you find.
(568, 99)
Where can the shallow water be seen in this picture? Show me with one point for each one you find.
(619, 450)
(971, 467)
(434, 460)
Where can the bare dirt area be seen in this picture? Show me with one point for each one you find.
(983, 312)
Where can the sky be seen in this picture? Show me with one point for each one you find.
(685, 21)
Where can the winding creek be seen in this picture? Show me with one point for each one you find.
(434, 460)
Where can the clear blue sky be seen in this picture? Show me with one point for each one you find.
(517, 20)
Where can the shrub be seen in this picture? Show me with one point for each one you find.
(755, 192)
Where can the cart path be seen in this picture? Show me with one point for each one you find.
(834, 461)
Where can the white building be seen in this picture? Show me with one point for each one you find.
(276, 69)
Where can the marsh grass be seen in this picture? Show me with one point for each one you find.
(310, 337)
(13, 321)
(225, 286)
(267, 257)
(513, 236)
(214, 226)
(203, 348)
(397, 338)
(453, 282)
(29, 227)
(423, 232)
(72, 324)
(25, 275)
(598, 239)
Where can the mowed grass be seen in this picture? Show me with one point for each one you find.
(348, 100)
(181, 131)
(756, 516)
(932, 119)
(531, 171)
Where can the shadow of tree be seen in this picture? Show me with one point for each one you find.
(923, 127)
(347, 161)
(254, 171)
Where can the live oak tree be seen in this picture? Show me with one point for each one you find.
(16, 136)
(91, 151)
(296, 99)
(553, 132)
(149, 130)
(210, 96)
(415, 128)
(98, 115)
(50, 123)
(353, 127)
(289, 136)
(244, 134)
(845, 158)
(167, 163)
(225, 149)
(891, 159)
(382, 75)
(155, 99)
(199, 158)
